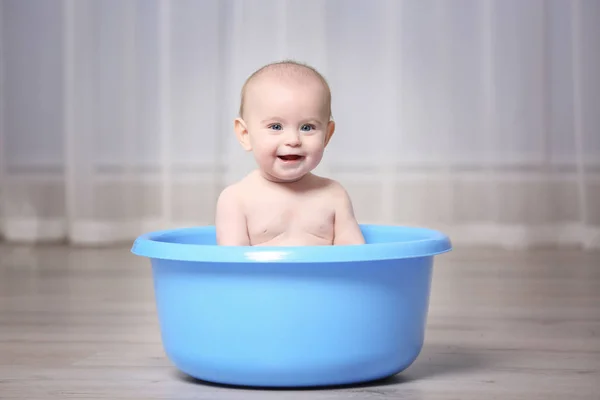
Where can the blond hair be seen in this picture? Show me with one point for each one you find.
(286, 68)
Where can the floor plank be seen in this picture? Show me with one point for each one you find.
(81, 324)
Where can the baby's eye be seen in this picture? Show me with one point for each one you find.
(307, 128)
(276, 127)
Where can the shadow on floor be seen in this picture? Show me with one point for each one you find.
(433, 361)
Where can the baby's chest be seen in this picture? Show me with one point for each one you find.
(274, 217)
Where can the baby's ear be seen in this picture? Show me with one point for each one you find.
(241, 132)
(330, 130)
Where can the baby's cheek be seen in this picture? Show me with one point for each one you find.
(316, 148)
(318, 140)
(262, 148)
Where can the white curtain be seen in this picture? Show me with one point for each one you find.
(479, 118)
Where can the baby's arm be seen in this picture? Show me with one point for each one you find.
(346, 230)
(230, 220)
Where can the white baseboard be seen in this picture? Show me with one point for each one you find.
(92, 232)
(33, 229)
(85, 232)
(99, 232)
(523, 237)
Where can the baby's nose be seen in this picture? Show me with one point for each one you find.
(292, 139)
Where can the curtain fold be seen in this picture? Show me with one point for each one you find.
(479, 118)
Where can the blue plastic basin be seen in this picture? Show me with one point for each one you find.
(292, 316)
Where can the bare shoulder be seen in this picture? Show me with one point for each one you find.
(347, 229)
(230, 218)
(230, 196)
(334, 189)
(233, 195)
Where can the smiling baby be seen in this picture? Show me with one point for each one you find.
(285, 121)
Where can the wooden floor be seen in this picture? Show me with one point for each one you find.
(81, 324)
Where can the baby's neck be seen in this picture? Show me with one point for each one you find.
(300, 182)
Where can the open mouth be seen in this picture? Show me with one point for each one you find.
(290, 157)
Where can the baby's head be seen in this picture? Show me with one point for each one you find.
(285, 119)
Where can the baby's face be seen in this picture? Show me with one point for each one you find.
(288, 127)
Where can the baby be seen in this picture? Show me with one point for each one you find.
(285, 120)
